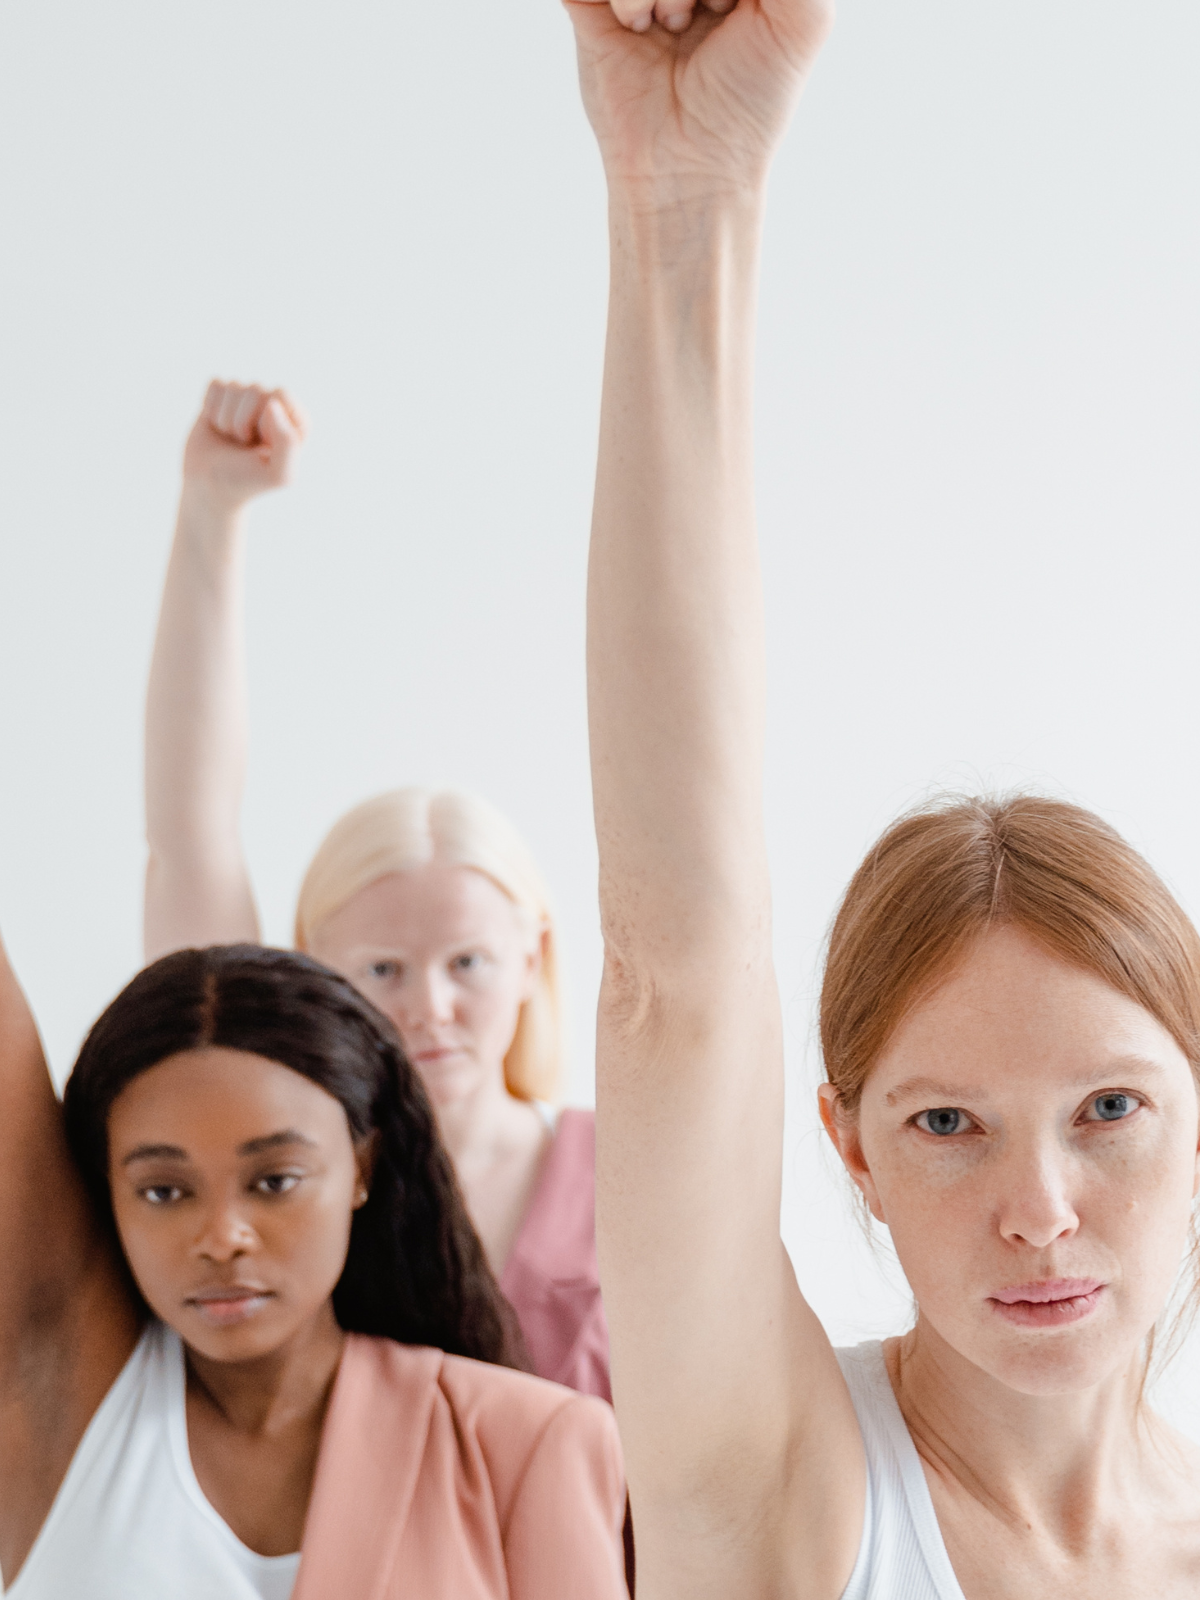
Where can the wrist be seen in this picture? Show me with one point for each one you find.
(207, 515)
(207, 511)
(697, 253)
(693, 200)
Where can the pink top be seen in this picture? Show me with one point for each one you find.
(440, 1478)
(551, 1278)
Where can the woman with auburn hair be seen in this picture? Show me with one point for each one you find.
(1010, 1013)
(250, 1344)
(428, 901)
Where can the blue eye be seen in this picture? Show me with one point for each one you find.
(1112, 1107)
(942, 1121)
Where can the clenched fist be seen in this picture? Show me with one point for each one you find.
(692, 96)
(244, 441)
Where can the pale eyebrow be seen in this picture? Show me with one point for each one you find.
(252, 1147)
(935, 1092)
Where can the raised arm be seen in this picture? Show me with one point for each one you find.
(745, 1465)
(197, 884)
(67, 1322)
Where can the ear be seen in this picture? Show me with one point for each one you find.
(365, 1153)
(843, 1130)
(535, 959)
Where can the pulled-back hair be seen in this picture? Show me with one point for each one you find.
(943, 875)
(407, 828)
(415, 1270)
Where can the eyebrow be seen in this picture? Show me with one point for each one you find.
(252, 1147)
(945, 1094)
(926, 1088)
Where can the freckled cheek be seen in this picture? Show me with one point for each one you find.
(1140, 1195)
(938, 1210)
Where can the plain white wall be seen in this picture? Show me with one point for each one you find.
(977, 420)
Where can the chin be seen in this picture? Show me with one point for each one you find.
(447, 1085)
(1057, 1362)
(248, 1340)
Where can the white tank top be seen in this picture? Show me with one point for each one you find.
(130, 1521)
(902, 1555)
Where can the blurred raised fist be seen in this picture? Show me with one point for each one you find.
(688, 95)
(244, 441)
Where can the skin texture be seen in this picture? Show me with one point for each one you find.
(234, 1180)
(198, 890)
(444, 953)
(744, 1456)
(66, 1322)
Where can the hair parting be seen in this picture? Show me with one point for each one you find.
(415, 1270)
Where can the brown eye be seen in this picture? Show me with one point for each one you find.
(276, 1183)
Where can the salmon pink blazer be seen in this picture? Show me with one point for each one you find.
(440, 1478)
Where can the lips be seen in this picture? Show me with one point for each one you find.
(223, 1305)
(1049, 1303)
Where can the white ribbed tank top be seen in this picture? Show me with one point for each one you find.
(130, 1521)
(902, 1555)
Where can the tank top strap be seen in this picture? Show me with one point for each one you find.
(902, 1555)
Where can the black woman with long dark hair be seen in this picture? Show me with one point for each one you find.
(250, 1344)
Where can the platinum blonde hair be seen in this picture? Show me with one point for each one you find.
(408, 828)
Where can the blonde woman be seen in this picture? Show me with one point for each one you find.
(1010, 1014)
(428, 902)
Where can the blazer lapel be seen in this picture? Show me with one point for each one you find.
(372, 1446)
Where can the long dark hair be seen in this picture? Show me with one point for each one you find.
(415, 1270)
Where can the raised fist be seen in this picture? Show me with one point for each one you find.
(693, 94)
(244, 441)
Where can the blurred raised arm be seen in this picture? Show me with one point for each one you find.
(67, 1321)
(197, 883)
(745, 1464)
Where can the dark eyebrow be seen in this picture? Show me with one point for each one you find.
(272, 1141)
(150, 1152)
(252, 1147)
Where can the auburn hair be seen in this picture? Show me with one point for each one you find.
(942, 875)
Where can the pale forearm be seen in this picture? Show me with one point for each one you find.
(196, 738)
(675, 610)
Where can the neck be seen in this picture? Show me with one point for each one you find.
(1060, 1462)
(271, 1392)
(483, 1125)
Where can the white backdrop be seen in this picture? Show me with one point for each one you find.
(978, 465)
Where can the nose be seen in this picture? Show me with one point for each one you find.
(226, 1234)
(1036, 1207)
(428, 998)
